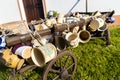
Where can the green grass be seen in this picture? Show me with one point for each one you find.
(95, 60)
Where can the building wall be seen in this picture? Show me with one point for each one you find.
(9, 11)
(65, 5)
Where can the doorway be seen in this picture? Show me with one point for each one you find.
(34, 9)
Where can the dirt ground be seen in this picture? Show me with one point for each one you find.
(117, 21)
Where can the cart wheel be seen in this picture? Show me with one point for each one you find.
(107, 36)
(62, 67)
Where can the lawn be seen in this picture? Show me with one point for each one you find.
(95, 60)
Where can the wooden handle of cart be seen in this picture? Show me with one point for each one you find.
(10, 41)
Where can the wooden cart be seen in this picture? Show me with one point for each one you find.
(63, 66)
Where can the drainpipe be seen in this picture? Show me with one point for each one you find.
(86, 6)
(73, 6)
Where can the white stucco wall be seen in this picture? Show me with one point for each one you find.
(63, 6)
(8, 11)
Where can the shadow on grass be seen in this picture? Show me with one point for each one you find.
(4, 71)
(2, 65)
